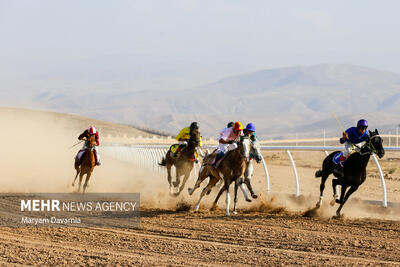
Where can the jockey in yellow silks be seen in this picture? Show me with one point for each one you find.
(184, 136)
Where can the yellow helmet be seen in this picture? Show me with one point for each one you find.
(238, 126)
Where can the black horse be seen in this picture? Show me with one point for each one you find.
(354, 170)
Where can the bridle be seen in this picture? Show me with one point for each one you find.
(370, 146)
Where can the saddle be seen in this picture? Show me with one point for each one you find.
(210, 159)
(336, 158)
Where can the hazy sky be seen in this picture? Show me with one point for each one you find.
(226, 37)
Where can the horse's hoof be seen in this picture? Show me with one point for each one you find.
(234, 212)
(213, 208)
(333, 202)
(227, 214)
(248, 199)
(73, 184)
(175, 184)
(337, 201)
(338, 216)
(254, 196)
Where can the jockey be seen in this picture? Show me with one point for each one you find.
(184, 136)
(227, 139)
(91, 131)
(351, 137)
(250, 132)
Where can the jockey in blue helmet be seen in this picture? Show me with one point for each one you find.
(351, 138)
(250, 131)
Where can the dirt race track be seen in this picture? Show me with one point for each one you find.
(270, 231)
(167, 237)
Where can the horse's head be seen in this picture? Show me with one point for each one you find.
(194, 138)
(91, 141)
(374, 145)
(256, 150)
(244, 147)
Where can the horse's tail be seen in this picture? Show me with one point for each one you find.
(318, 173)
(163, 162)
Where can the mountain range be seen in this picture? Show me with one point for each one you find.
(281, 102)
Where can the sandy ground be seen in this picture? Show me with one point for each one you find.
(270, 231)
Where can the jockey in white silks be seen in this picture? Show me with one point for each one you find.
(227, 139)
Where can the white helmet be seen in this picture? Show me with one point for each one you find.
(92, 130)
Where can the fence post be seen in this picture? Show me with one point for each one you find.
(266, 174)
(384, 201)
(296, 176)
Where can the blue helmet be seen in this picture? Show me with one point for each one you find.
(251, 127)
(362, 123)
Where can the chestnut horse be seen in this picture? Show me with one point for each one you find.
(86, 164)
(183, 164)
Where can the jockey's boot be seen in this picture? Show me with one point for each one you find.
(96, 158)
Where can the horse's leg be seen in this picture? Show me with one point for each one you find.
(178, 177)
(214, 205)
(86, 181)
(235, 197)
(227, 200)
(203, 174)
(205, 190)
(335, 186)
(247, 179)
(185, 178)
(352, 189)
(321, 189)
(214, 181)
(76, 176)
(240, 182)
(342, 193)
(169, 175)
(80, 180)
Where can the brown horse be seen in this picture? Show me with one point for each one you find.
(231, 168)
(86, 164)
(183, 164)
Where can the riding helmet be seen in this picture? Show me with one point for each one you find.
(230, 124)
(251, 127)
(362, 123)
(194, 125)
(238, 126)
(92, 130)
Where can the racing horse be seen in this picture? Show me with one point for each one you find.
(183, 163)
(230, 169)
(354, 170)
(86, 164)
(255, 153)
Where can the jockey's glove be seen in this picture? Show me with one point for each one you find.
(231, 142)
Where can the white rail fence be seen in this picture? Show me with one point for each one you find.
(148, 156)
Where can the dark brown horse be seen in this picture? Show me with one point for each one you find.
(355, 170)
(86, 164)
(183, 164)
(231, 168)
